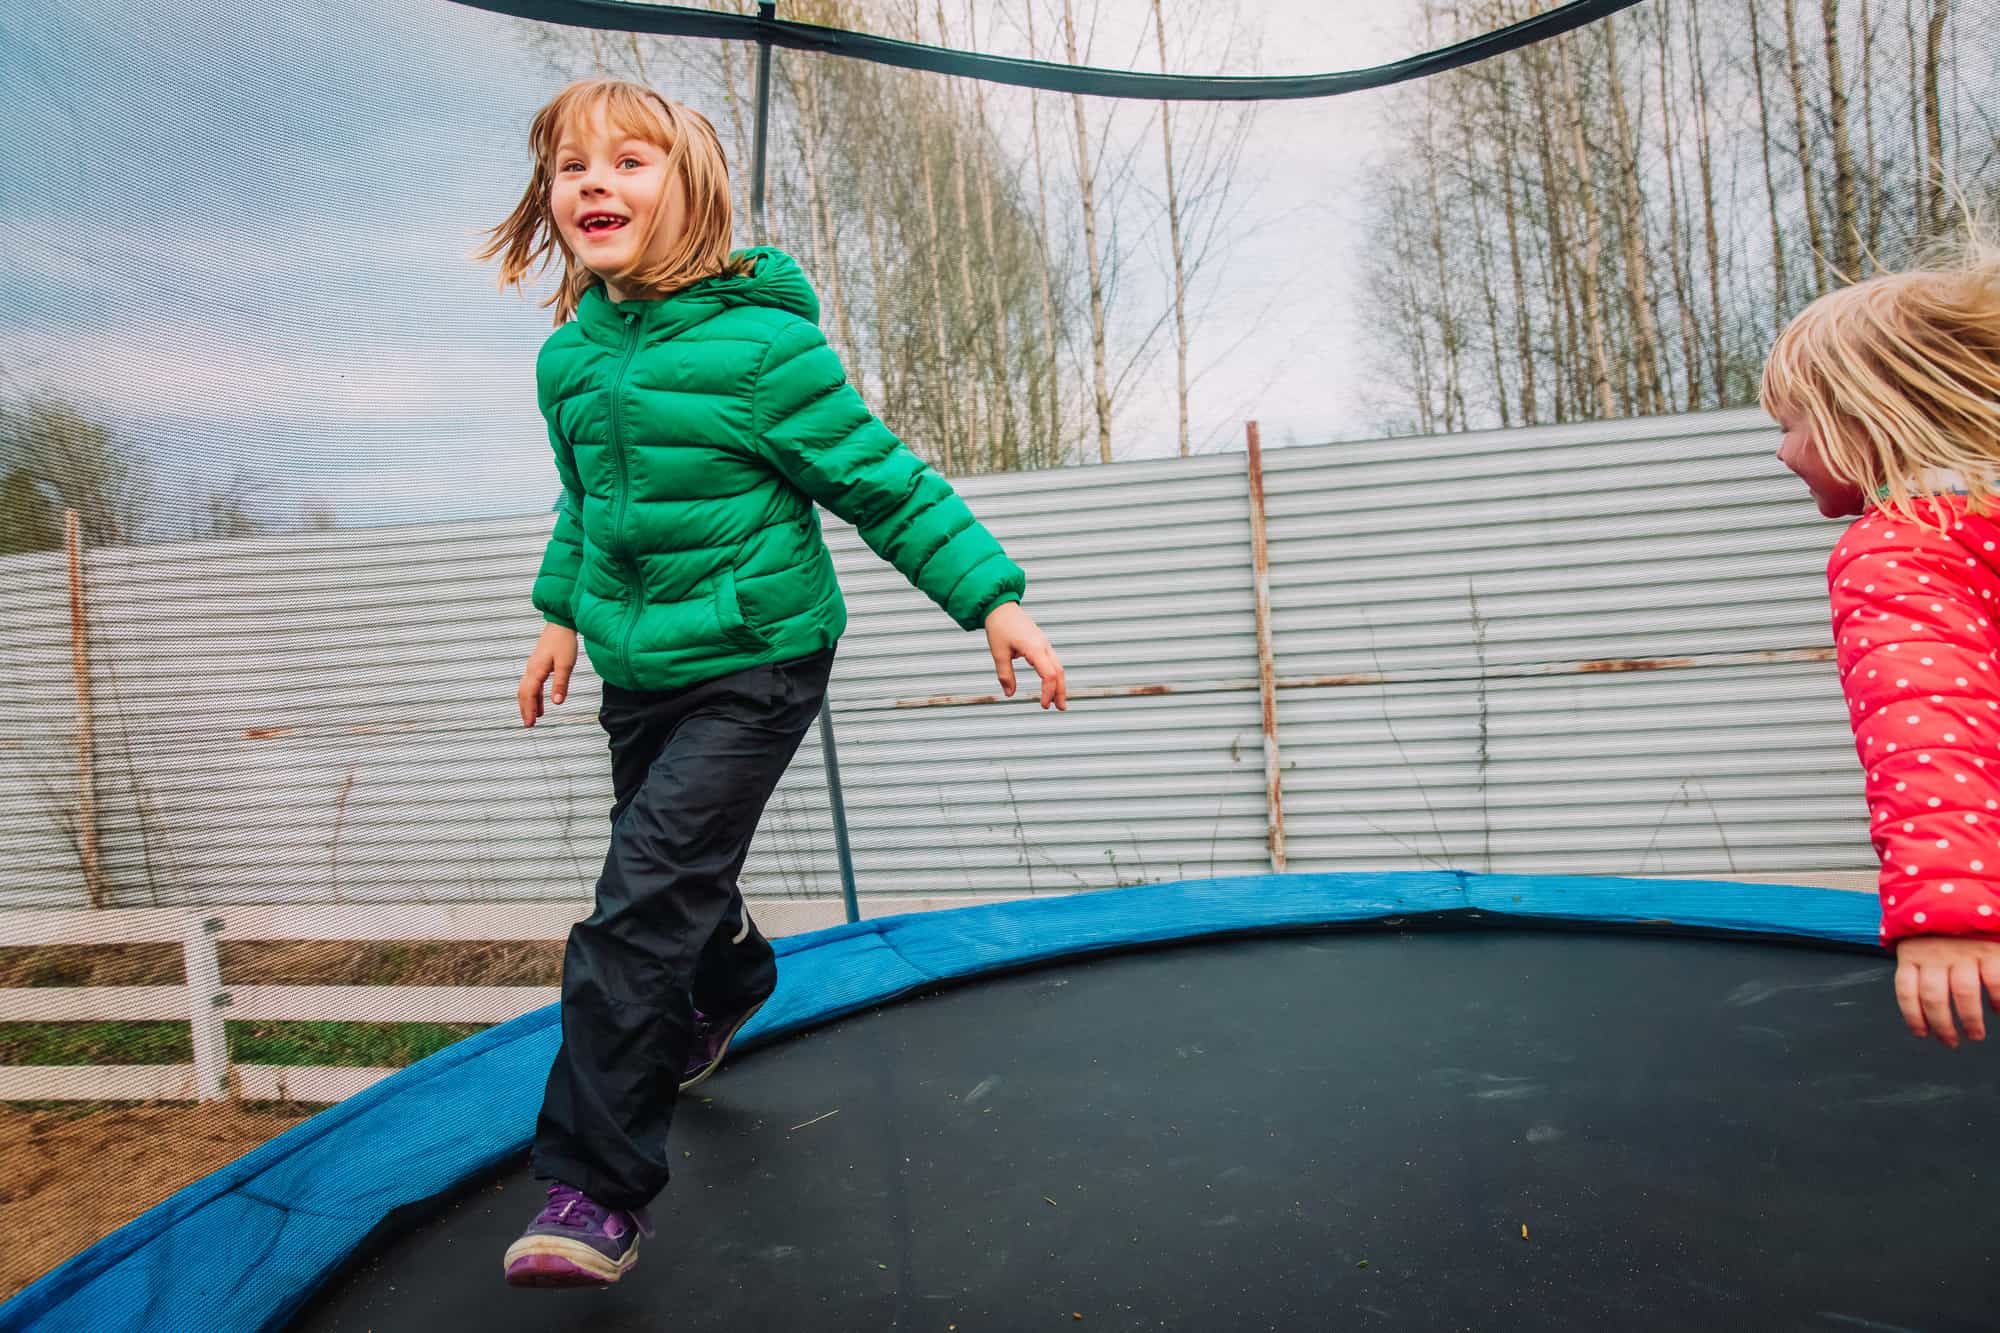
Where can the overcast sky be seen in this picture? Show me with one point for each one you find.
(241, 236)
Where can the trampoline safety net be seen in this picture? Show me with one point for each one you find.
(1371, 399)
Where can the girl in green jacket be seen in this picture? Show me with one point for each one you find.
(696, 414)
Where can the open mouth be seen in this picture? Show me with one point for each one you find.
(601, 224)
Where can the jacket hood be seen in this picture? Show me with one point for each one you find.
(776, 282)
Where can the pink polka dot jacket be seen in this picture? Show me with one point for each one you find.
(1912, 621)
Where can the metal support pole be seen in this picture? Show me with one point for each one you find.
(831, 755)
(768, 9)
(829, 751)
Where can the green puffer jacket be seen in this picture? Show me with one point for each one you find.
(692, 435)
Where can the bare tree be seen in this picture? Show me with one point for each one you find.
(1047, 368)
(1588, 271)
(1780, 302)
(950, 413)
(1174, 230)
(1933, 118)
(907, 212)
(1705, 158)
(1087, 189)
(1552, 251)
(1846, 231)
(55, 456)
(1654, 253)
(1476, 190)
(1632, 227)
(1450, 337)
(802, 81)
(1795, 67)
(228, 513)
(30, 513)
(978, 413)
(1509, 179)
(1002, 418)
(1871, 170)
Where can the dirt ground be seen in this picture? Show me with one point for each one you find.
(71, 1176)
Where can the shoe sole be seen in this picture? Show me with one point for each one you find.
(701, 1075)
(551, 1261)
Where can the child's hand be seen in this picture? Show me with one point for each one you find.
(1011, 633)
(1934, 971)
(554, 655)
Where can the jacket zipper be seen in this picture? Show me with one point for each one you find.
(624, 494)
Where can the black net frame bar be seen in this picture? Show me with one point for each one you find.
(767, 29)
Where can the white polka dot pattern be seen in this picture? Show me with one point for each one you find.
(1924, 753)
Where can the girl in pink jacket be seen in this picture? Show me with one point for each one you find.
(1889, 395)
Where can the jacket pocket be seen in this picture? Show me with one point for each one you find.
(729, 615)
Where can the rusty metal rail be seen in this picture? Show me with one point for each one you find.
(1591, 667)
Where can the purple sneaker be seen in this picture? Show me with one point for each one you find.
(576, 1242)
(711, 1042)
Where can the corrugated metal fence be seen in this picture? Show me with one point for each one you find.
(1593, 648)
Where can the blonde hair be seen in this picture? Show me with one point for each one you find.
(1899, 376)
(529, 239)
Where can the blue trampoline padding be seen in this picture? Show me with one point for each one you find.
(244, 1247)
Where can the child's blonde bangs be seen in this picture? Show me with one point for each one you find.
(1899, 377)
(530, 240)
(628, 109)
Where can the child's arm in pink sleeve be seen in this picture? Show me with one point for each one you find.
(1917, 661)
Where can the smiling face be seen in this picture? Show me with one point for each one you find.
(1800, 451)
(629, 191)
(613, 201)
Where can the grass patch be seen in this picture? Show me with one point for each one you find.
(392, 963)
(110, 1043)
(389, 1045)
(91, 965)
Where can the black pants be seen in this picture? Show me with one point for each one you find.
(692, 770)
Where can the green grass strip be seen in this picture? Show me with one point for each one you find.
(390, 1045)
(105, 1043)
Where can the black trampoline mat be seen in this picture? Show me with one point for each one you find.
(1326, 1131)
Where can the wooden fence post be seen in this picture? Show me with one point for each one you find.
(1267, 681)
(86, 729)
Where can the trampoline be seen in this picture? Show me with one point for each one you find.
(1398, 1101)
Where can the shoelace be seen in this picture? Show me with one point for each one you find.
(571, 1207)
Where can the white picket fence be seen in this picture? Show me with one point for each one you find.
(206, 1004)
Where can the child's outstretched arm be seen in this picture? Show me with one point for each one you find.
(1916, 647)
(813, 427)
